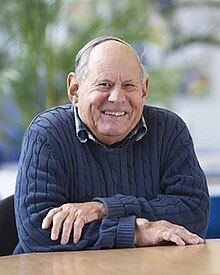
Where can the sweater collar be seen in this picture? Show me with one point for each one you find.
(83, 133)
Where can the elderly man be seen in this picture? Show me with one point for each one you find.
(107, 171)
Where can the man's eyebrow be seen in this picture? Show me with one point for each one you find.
(100, 79)
(130, 81)
(104, 79)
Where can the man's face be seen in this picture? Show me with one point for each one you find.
(110, 99)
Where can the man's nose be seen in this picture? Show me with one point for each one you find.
(117, 94)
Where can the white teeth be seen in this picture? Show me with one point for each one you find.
(114, 113)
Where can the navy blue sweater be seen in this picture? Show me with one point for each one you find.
(157, 178)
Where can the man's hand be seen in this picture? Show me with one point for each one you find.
(72, 217)
(154, 233)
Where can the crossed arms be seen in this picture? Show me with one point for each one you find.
(68, 221)
(48, 221)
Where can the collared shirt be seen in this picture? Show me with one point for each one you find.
(83, 133)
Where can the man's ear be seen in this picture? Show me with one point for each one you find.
(72, 88)
(145, 88)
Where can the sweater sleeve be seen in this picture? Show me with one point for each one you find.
(42, 184)
(184, 199)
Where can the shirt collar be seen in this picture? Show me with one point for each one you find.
(83, 133)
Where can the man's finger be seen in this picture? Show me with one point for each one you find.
(77, 229)
(188, 237)
(172, 237)
(177, 240)
(67, 228)
(201, 240)
(58, 220)
(49, 217)
(192, 239)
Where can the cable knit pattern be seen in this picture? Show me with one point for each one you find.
(157, 177)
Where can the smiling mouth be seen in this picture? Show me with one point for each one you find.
(111, 113)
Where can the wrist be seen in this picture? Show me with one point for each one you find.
(135, 238)
(102, 211)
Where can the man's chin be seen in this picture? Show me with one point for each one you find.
(110, 137)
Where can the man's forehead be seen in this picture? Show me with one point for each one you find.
(111, 59)
(111, 49)
(102, 72)
(115, 77)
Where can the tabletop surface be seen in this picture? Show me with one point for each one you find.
(191, 259)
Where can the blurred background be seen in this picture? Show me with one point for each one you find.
(178, 41)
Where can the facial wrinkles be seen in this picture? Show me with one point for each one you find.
(120, 68)
(118, 72)
(117, 82)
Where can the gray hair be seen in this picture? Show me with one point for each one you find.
(82, 57)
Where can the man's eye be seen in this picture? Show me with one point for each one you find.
(104, 84)
(129, 87)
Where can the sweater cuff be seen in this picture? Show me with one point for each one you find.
(125, 232)
(115, 209)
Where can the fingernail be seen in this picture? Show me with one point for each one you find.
(53, 237)
(63, 242)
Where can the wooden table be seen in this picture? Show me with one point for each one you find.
(198, 259)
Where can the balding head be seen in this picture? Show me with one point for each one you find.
(83, 55)
(108, 89)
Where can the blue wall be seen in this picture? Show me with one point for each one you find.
(214, 221)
